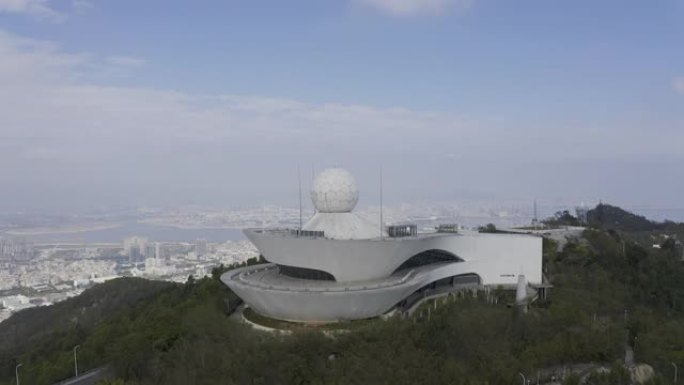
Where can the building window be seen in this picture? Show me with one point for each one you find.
(428, 258)
(304, 273)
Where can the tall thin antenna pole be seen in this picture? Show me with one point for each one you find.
(312, 181)
(299, 177)
(381, 217)
(263, 215)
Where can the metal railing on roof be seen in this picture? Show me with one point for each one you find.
(293, 232)
(398, 231)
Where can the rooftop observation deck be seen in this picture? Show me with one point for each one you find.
(393, 233)
(288, 232)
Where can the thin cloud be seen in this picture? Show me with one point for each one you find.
(81, 6)
(126, 61)
(38, 9)
(51, 94)
(678, 84)
(60, 129)
(406, 8)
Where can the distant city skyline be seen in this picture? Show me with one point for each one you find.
(171, 103)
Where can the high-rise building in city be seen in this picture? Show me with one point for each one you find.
(135, 248)
(150, 250)
(201, 247)
(16, 250)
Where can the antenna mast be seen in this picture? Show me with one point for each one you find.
(311, 187)
(299, 177)
(381, 218)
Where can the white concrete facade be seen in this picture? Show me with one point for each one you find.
(344, 268)
(507, 255)
(366, 281)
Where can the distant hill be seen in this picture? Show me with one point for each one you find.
(608, 217)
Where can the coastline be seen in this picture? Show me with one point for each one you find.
(62, 230)
(182, 226)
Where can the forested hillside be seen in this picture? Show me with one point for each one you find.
(608, 290)
(35, 334)
(608, 217)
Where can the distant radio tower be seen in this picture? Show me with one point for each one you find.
(381, 218)
(312, 182)
(299, 177)
(263, 215)
(535, 220)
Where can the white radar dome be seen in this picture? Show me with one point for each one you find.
(334, 191)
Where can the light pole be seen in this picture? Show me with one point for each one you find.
(634, 345)
(76, 361)
(16, 372)
(675, 372)
(524, 379)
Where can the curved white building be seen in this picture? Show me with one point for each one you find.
(342, 267)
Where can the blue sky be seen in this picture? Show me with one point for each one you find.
(340, 51)
(516, 90)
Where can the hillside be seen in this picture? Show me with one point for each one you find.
(609, 217)
(42, 331)
(81, 312)
(182, 334)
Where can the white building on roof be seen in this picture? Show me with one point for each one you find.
(335, 195)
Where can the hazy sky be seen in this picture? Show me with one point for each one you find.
(167, 102)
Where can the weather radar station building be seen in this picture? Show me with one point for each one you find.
(340, 266)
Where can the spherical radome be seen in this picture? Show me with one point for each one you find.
(334, 191)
